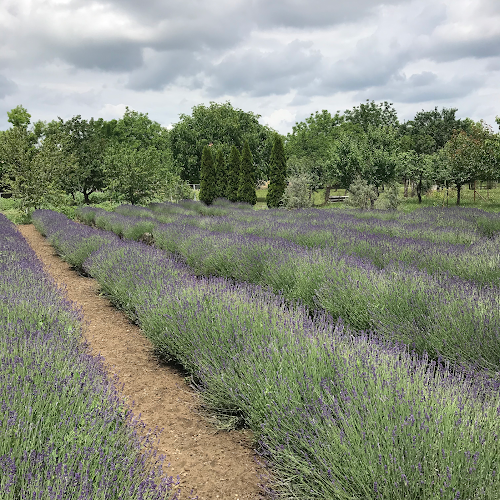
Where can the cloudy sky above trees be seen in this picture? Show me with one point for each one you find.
(282, 59)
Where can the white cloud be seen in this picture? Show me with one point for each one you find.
(283, 60)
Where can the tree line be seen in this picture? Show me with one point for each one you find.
(229, 152)
(369, 143)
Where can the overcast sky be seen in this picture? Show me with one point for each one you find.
(282, 59)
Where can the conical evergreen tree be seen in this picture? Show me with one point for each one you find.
(220, 168)
(277, 174)
(208, 180)
(233, 175)
(246, 189)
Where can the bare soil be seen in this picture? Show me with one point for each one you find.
(211, 464)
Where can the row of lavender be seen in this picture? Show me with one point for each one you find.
(338, 416)
(64, 432)
(460, 242)
(437, 314)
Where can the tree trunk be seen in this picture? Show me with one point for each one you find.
(419, 190)
(459, 187)
(86, 197)
(327, 193)
(405, 194)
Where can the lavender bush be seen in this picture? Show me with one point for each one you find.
(435, 313)
(64, 431)
(337, 415)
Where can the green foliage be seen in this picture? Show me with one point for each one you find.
(31, 173)
(248, 181)
(468, 157)
(138, 131)
(429, 131)
(134, 175)
(223, 126)
(370, 114)
(345, 160)
(298, 192)
(277, 175)
(361, 194)
(221, 173)
(208, 177)
(392, 196)
(87, 143)
(233, 175)
(19, 117)
(175, 188)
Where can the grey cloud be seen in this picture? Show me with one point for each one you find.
(315, 13)
(258, 73)
(164, 68)
(107, 55)
(368, 67)
(479, 48)
(425, 87)
(7, 86)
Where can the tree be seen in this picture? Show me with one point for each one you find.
(19, 117)
(33, 173)
(345, 161)
(246, 188)
(309, 143)
(87, 142)
(277, 173)
(135, 175)
(416, 167)
(370, 114)
(221, 173)
(208, 177)
(464, 158)
(138, 131)
(224, 127)
(233, 175)
(431, 130)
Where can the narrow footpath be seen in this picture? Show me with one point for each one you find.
(211, 464)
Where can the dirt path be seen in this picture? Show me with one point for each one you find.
(214, 465)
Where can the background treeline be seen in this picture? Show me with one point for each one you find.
(229, 153)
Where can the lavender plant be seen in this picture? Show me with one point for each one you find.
(337, 415)
(64, 431)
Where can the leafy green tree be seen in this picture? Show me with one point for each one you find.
(87, 142)
(431, 130)
(19, 117)
(248, 180)
(464, 157)
(277, 174)
(138, 131)
(135, 175)
(221, 173)
(370, 114)
(208, 181)
(233, 175)
(345, 161)
(31, 173)
(309, 144)
(224, 126)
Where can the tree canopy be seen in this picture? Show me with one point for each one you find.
(223, 126)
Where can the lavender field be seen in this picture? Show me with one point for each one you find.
(64, 431)
(274, 332)
(438, 297)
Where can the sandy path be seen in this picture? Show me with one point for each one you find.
(214, 465)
